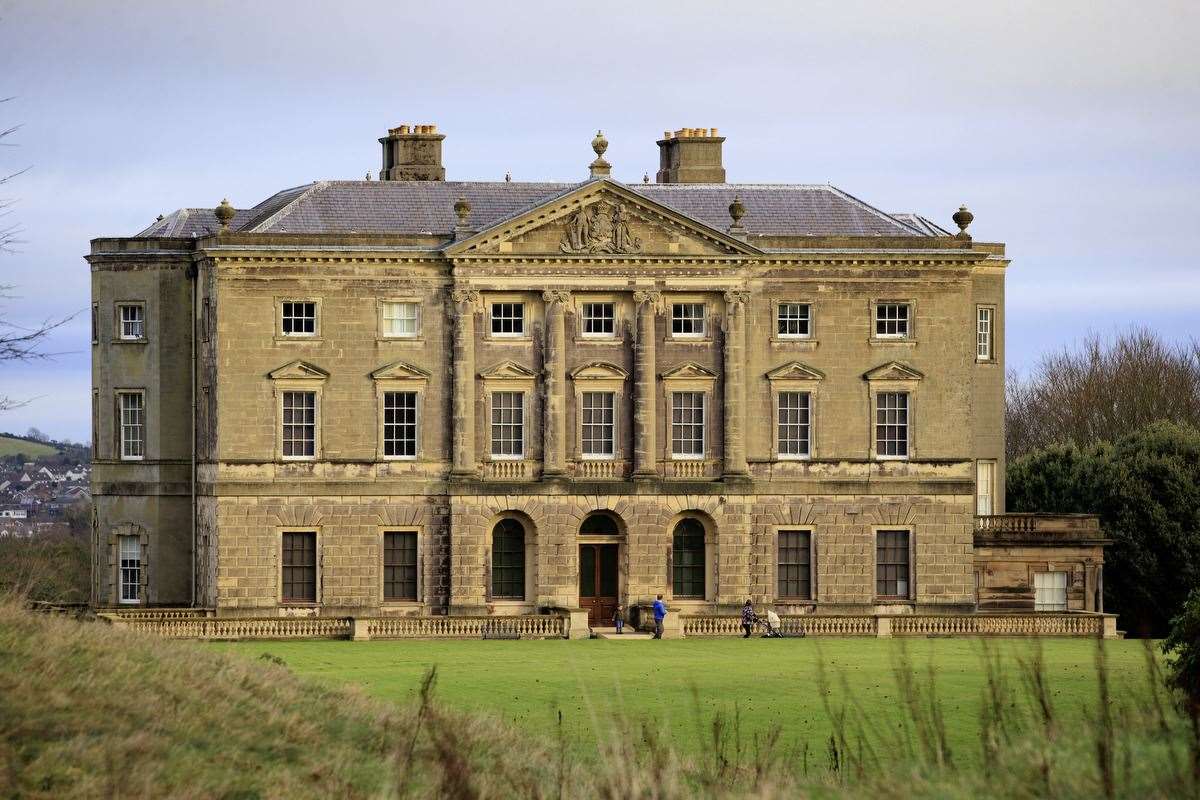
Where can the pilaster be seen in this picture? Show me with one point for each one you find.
(735, 384)
(465, 301)
(555, 419)
(645, 452)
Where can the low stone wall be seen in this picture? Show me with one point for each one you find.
(173, 624)
(1083, 625)
(530, 626)
(197, 624)
(176, 627)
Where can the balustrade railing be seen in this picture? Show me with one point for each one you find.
(599, 470)
(509, 470)
(1087, 625)
(160, 613)
(541, 626)
(689, 470)
(244, 628)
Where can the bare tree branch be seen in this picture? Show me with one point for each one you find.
(1103, 389)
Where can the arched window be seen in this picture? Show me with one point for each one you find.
(688, 559)
(599, 524)
(508, 560)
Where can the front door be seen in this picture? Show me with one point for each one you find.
(598, 583)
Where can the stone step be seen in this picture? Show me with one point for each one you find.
(611, 633)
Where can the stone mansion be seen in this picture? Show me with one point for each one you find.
(413, 396)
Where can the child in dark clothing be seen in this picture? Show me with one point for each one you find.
(619, 619)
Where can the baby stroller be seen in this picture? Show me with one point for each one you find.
(771, 624)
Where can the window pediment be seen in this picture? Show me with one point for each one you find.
(893, 371)
(599, 370)
(508, 370)
(795, 371)
(298, 370)
(689, 370)
(400, 371)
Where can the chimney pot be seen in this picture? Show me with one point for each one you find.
(412, 153)
(692, 155)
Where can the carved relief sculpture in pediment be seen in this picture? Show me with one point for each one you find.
(602, 227)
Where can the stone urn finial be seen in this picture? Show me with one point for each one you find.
(600, 144)
(462, 209)
(224, 214)
(737, 210)
(645, 177)
(600, 168)
(962, 218)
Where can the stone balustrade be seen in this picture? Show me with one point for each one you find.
(240, 628)
(599, 470)
(690, 470)
(160, 613)
(509, 470)
(884, 626)
(192, 624)
(1085, 525)
(531, 626)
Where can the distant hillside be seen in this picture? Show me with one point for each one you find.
(14, 445)
(31, 449)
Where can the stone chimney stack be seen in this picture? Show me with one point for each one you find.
(412, 153)
(690, 155)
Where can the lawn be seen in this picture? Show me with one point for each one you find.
(762, 681)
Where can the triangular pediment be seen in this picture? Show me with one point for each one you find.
(601, 218)
(599, 370)
(688, 369)
(298, 370)
(400, 370)
(893, 371)
(795, 371)
(510, 370)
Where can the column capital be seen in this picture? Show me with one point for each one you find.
(642, 297)
(461, 295)
(552, 296)
(736, 299)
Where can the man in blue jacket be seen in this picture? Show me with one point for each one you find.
(660, 611)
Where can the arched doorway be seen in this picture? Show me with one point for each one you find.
(599, 570)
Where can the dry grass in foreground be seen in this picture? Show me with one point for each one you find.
(91, 711)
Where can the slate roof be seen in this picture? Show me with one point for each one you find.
(922, 223)
(426, 207)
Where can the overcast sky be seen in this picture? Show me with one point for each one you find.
(1071, 129)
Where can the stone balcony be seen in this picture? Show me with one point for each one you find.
(1038, 528)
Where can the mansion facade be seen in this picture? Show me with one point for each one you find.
(412, 396)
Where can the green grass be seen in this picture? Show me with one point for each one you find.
(11, 446)
(88, 710)
(764, 682)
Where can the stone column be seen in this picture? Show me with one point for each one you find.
(735, 383)
(465, 302)
(645, 452)
(554, 455)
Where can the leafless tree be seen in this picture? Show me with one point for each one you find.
(17, 342)
(1102, 389)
